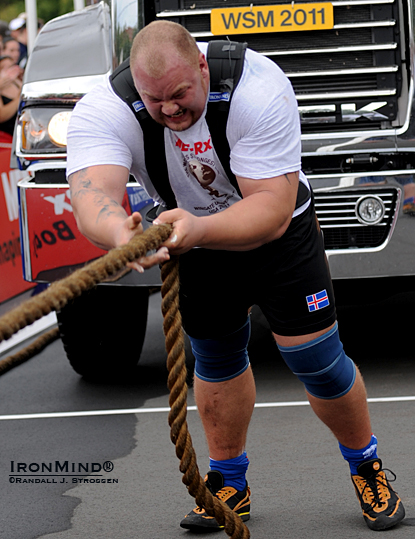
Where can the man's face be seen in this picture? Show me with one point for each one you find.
(178, 98)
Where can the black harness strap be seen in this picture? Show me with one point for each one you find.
(226, 60)
(153, 133)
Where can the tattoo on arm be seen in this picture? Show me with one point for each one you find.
(112, 208)
(81, 186)
(80, 183)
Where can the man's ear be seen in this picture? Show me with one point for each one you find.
(203, 66)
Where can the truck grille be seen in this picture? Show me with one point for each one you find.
(336, 212)
(345, 78)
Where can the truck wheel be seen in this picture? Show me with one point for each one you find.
(103, 331)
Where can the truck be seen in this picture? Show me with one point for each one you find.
(351, 64)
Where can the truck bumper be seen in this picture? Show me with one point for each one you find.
(368, 223)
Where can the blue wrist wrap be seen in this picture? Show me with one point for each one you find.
(322, 365)
(224, 358)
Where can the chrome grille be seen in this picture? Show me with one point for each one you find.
(336, 212)
(355, 66)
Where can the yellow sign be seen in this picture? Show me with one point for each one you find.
(279, 18)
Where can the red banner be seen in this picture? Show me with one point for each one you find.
(11, 273)
(55, 241)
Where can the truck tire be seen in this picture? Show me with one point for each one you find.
(103, 331)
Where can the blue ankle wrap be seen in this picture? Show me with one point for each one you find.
(356, 456)
(224, 358)
(322, 365)
(233, 470)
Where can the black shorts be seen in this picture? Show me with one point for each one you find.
(288, 279)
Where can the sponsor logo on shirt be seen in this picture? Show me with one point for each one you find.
(197, 147)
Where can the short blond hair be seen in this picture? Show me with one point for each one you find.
(153, 45)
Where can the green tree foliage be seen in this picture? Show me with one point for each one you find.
(46, 9)
(9, 9)
(49, 9)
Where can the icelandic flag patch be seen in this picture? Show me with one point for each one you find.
(318, 301)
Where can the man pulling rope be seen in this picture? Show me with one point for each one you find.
(256, 240)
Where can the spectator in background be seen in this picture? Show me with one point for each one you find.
(4, 32)
(18, 31)
(11, 48)
(10, 88)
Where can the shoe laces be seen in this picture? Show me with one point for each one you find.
(377, 488)
(223, 493)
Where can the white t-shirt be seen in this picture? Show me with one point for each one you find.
(263, 131)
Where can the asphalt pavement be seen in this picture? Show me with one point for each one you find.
(103, 465)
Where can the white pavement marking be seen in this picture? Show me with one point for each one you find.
(28, 332)
(166, 409)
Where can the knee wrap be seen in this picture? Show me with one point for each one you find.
(322, 365)
(221, 359)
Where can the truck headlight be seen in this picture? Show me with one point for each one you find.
(44, 130)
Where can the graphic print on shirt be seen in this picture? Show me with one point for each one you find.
(199, 165)
(205, 175)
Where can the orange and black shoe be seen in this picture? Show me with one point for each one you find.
(382, 508)
(409, 206)
(239, 501)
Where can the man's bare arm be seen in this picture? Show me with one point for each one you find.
(96, 195)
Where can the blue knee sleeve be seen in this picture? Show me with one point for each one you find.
(322, 365)
(221, 359)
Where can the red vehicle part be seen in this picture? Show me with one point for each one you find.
(11, 275)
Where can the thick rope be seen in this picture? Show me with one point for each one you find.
(27, 353)
(63, 291)
(176, 383)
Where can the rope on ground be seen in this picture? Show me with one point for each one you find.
(34, 348)
(61, 292)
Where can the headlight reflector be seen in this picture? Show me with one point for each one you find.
(58, 127)
(43, 130)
